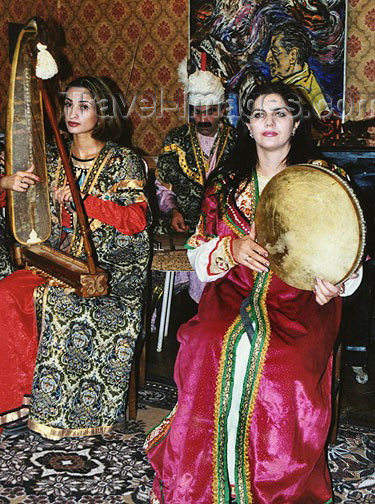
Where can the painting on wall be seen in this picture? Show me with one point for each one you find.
(300, 42)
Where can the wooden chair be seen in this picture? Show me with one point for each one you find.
(137, 379)
(138, 371)
(336, 384)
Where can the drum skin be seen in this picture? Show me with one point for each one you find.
(310, 222)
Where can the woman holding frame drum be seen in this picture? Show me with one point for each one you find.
(254, 368)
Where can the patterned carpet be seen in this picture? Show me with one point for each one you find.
(113, 468)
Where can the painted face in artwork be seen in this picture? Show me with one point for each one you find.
(207, 118)
(79, 111)
(271, 123)
(280, 61)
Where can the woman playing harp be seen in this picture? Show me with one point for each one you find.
(86, 344)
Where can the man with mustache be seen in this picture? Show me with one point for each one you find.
(191, 152)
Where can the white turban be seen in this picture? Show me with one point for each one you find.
(204, 88)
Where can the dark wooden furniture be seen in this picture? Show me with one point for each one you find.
(358, 309)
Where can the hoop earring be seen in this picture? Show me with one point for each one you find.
(293, 133)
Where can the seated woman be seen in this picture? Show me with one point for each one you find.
(254, 368)
(86, 345)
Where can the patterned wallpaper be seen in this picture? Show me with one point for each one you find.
(16, 11)
(101, 37)
(360, 83)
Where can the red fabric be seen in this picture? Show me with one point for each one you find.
(203, 61)
(288, 430)
(18, 337)
(3, 196)
(128, 219)
(292, 414)
(3, 199)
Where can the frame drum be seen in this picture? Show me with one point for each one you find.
(310, 222)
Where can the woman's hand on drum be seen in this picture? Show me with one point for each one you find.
(325, 291)
(62, 194)
(246, 251)
(19, 181)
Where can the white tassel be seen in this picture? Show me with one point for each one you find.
(182, 74)
(45, 64)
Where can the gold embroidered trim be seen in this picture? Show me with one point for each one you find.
(197, 177)
(244, 192)
(12, 416)
(15, 415)
(221, 258)
(232, 226)
(201, 162)
(56, 434)
(127, 184)
(258, 358)
(76, 246)
(95, 224)
(253, 376)
(228, 250)
(140, 198)
(156, 434)
(222, 389)
(222, 144)
(93, 174)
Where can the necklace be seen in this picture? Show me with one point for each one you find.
(82, 165)
(83, 160)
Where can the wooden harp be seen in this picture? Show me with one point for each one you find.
(29, 212)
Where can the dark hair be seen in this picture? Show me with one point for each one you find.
(294, 36)
(108, 126)
(241, 163)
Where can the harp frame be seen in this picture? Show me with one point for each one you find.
(85, 278)
(21, 118)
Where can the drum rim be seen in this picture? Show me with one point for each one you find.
(360, 215)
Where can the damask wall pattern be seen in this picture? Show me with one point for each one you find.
(360, 83)
(101, 37)
(16, 11)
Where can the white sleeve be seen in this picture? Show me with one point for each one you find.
(212, 259)
(352, 284)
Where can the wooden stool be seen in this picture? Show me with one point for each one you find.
(336, 383)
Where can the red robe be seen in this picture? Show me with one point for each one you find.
(285, 409)
(18, 327)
